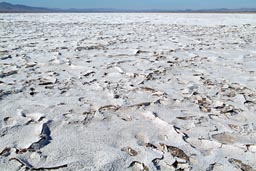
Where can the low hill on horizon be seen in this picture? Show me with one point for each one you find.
(8, 7)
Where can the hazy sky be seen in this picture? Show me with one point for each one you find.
(139, 4)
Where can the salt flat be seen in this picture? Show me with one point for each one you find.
(116, 92)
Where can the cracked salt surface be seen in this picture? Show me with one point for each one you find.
(127, 92)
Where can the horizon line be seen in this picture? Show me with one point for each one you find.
(112, 9)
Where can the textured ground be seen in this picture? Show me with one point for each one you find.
(115, 92)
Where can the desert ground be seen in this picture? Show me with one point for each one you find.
(128, 92)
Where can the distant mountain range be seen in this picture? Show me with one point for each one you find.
(7, 7)
(13, 8)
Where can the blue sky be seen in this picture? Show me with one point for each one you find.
(139, 4)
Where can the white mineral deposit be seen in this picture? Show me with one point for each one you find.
(128, 92)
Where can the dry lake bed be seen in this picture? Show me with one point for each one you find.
(128, 92)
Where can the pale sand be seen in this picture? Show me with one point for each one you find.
(116, 92)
